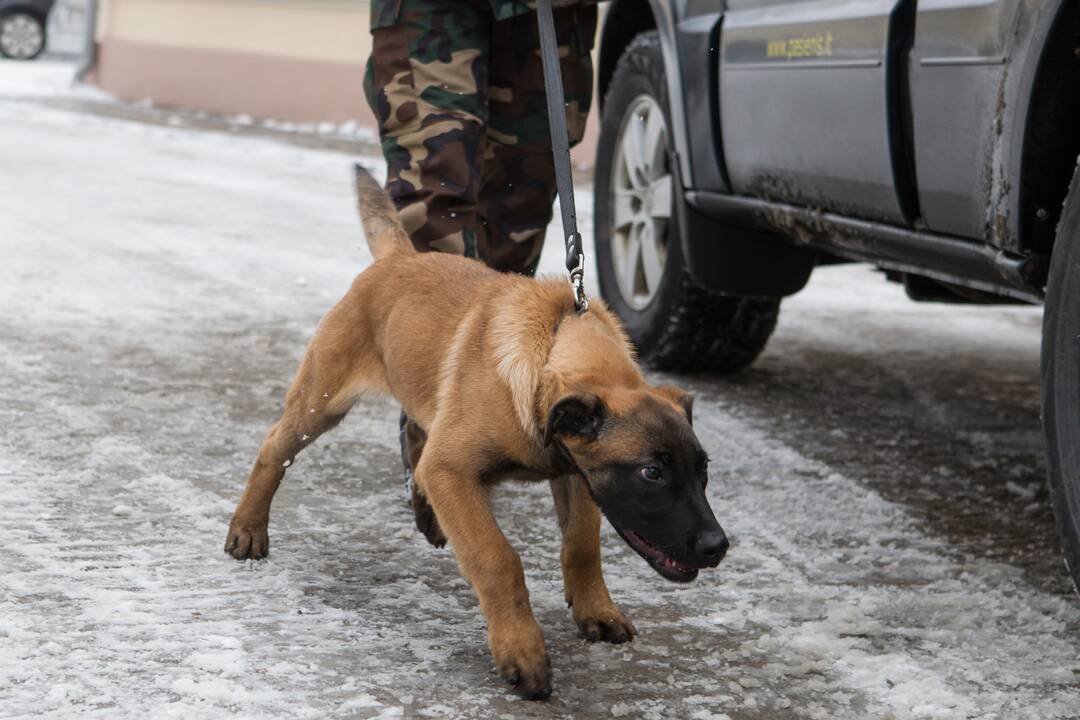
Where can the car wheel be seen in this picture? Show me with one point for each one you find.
(22, 36)
(675, 323)
(1061, 379)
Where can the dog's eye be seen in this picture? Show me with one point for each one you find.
(651, 473)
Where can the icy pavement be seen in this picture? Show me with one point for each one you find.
(880, 470)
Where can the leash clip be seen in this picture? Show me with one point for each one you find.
(575, 270)
(580, 301)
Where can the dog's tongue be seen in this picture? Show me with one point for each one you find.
(669, 562)
(659, 556)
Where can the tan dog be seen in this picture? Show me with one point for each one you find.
(507, 380)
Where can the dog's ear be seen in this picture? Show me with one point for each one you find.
(681, 398)
(580, 415)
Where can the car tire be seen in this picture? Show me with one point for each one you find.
(1060, 378)
(22, 35)
(674, 323)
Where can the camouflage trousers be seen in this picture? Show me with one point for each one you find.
(459, 98)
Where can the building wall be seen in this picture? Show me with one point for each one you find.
(292, 60)
(296, 60)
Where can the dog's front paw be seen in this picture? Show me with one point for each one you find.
(531, 679)
(523, 662)
(605, 623)
(247, 540)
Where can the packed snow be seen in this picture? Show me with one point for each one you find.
(879, 470)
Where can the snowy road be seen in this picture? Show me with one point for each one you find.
(880, 470)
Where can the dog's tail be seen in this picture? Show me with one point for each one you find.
(385, 235)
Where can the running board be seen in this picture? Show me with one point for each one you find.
(941, 257)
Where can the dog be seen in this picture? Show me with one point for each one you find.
(506, 380)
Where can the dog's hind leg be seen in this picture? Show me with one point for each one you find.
(337, 369)
(413, 442)
(597, 617)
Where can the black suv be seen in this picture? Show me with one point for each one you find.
(22, 28)
(743, 142)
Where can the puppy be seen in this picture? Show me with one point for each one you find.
(506, 380)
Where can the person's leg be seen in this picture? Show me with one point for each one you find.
(518, 179)
(426, 81)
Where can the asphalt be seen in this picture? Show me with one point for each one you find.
(880, 471)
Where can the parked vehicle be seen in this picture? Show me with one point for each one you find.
(744, 142)
(22, 28)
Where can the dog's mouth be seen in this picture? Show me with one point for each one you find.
(668, 567)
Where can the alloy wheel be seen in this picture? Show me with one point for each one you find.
(641, 202)
(21, 36)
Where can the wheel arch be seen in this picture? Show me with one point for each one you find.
(37, 12)
(1051, 143)
(623, 21)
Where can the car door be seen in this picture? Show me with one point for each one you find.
(810, 104)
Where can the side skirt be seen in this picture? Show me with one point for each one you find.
(949, 259)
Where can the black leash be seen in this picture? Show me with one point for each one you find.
(560, 148)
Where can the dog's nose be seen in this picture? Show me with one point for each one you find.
(712, 546)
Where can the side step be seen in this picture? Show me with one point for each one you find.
(950, 259)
